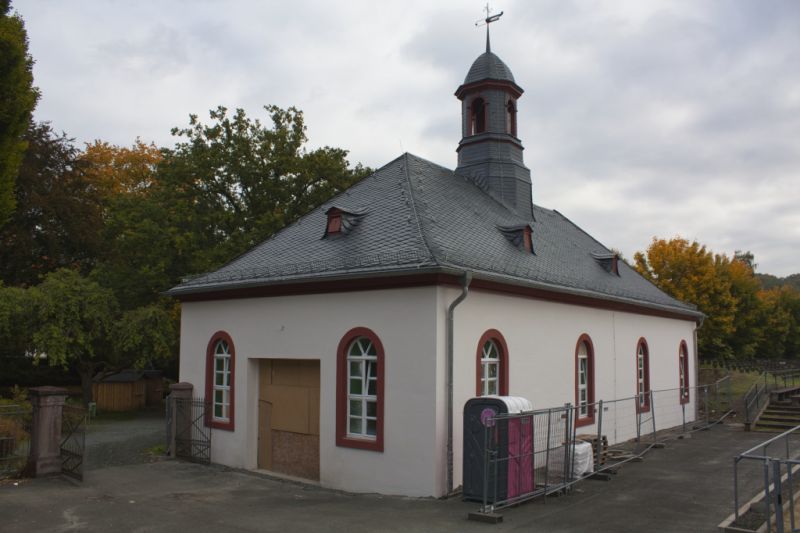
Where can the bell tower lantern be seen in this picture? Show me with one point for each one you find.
(490, 153)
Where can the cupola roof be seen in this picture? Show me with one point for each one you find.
(488, 67)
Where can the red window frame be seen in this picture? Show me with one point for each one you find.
(472, 125)
(643, 408)
(511, 117)
(209, 390)
(527, 239)
(334, 222)
(502, 348)
(589, 419)
(683, 361)
(342, 439)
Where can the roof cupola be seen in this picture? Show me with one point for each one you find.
(490, 153)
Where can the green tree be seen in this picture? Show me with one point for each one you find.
(693, 274)
(58, 222)
(235, 182)
(18, 98)
(78, 325)
(74, 321)
(747, 327)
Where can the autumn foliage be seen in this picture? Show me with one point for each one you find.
(742, 319)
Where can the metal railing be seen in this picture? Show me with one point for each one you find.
(778, 461)
(757, 397)
(537, 453)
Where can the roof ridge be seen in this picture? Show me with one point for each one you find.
(422, 234)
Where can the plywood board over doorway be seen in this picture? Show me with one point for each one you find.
(288, 419)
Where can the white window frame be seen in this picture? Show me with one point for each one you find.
(641, 368)
(362, 369)
(222, 382)
(490, 360)
(583, 380)
(684, 378)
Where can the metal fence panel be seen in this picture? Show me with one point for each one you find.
(622, 429)
(15, 439)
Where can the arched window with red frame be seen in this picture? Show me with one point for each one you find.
(492, 365)
(642, 376)
(511, 118)
(683, 372)
(584, 381)
(359, 390)
(477, 116)
(220, 381)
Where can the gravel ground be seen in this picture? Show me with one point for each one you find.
(116, 440)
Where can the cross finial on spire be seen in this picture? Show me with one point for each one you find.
(488, 20)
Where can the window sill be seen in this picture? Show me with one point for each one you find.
(361, 443)
(580, 422)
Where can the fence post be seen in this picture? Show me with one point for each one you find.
(638, 420)
(736, 487)
(683, 416)
(766, 493)
(547, 452)
(599, 444)
(568, 444)
(179, 392)
(730, 398)
(705, 402)
(484, 508)
(778, 500)
(653, 414)
(48, 404)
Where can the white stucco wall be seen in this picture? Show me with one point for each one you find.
(411, 324)
(542, 338)
(310, 327)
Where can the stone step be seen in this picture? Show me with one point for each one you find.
(783, 419)
(776, 425)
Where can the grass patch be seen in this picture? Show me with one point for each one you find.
(740, 381)
(154, 453)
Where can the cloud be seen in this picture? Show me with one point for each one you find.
(639, 118)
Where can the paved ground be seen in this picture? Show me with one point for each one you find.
(123, 439)
(685, 487)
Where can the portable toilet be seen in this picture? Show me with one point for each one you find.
(511, 438)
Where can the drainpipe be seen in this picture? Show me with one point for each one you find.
(467, 278)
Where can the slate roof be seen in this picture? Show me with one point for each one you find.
(488, 66)
(421, 217)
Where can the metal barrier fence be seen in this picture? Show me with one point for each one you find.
(536, 453)
(776, 461)
(15, 439)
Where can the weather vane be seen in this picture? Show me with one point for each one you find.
(488, 20)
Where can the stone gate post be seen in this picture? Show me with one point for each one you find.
(178, 391)
(47, 404)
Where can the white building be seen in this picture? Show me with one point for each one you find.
(325, 350)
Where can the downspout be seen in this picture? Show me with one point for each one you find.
(467, 278)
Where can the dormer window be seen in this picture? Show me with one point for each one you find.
(519, 236)
(334, 221)
(527, 239)
(477, 116)
(609, 261)
(341, 221)
(511, 118)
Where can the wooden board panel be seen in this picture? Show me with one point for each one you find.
(295, 454)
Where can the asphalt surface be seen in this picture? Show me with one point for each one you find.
(684, 487)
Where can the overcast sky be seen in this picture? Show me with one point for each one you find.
(639, 118)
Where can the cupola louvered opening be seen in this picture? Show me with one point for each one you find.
(609, 261)
(520, 237)
(341, 221)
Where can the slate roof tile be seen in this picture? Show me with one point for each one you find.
(422, 215)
